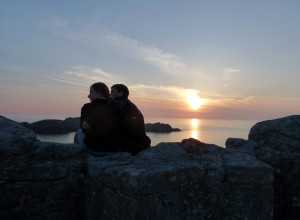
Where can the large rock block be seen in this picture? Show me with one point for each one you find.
(15, 139)
(188, 180)
(39, 180)
(277, 143)
(282, 134)
(44, 184)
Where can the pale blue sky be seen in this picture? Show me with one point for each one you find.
(241, 57)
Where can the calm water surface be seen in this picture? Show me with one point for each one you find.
(205, 130)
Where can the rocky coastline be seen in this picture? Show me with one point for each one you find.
(71, 124)
(258, 178)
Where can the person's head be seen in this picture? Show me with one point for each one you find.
(119, 90)
(98, 90)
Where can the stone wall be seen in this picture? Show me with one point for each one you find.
(39, 180)
(187, 180)
(277, 143)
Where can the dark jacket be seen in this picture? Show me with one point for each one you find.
(132, 126)
(104, 120)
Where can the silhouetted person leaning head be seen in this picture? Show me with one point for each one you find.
(132, 121)
(119, 90)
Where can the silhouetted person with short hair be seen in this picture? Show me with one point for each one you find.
(132, 121)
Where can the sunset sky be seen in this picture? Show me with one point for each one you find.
(222, 59)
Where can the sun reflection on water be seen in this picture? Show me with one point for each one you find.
(195, 133)
(195, 122)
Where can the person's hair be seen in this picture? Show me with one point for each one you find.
(121, 88)
(102, 88)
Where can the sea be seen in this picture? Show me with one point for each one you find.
(210, 131)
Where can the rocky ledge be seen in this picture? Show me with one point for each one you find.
(55, 126)
(277, 143)
(186, 180)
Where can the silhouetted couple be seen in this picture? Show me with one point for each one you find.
(110, 125)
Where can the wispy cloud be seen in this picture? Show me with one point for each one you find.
(229, 73)
(67, 81)
(157, 92)
(85, 76)
(228, 76)
(167, 62)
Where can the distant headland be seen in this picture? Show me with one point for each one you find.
(71, 124)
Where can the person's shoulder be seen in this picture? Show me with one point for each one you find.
(86, 105)
(124, 101)
(95, 104)
(130, 103)
(98, 103)
(116, 103)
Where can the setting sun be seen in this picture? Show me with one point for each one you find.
(194, 101)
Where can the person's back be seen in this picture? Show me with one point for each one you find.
(132, 121)
(104, 134)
